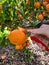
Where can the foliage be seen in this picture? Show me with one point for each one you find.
(14, 13)
(18, 12)
(3, 36)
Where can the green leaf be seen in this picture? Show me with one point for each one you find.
(32, 3)
(1, 34)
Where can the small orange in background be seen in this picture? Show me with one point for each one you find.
(47, 7)
(27, 2)
(37, 5)
(40, 17)
(44, 13)
(46, 0)
(45, 3)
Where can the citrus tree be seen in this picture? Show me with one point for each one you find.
(14, 13)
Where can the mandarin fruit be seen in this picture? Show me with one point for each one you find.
(40, 17)
(46, 0)
(37, 4)
(17, 37)
(24, 45)
(45, 3)
(27, 2)
(44, 13)
(47, 7)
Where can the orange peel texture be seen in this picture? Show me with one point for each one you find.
(18, 38)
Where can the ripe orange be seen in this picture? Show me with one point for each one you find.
(27, 2)
(40, 17)
(37, 5)
(46, 0)
(24, 45)
(19, 47)
(47, 7)
(17, 37)
(45, 3)
(44, 13)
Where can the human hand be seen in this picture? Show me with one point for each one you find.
(43, 30)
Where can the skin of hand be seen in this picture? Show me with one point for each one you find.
(43, 30)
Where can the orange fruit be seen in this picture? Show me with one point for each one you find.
(44, 13)
(27, 2)
(45, 3)
(37, 5)
(19, 47)
(46, 0)
(24, 45)
(47, 7)
(17, 37)
(40, 17)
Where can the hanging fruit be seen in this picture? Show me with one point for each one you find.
(27, 2)
(40, 17)
(37, 5)
(47, 7)
(44, 13)
(45, 3)
(46, 0)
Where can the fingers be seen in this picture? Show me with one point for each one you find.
(36, 31)
(44, 25)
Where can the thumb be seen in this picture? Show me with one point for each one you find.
(36, 31)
